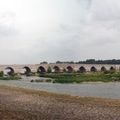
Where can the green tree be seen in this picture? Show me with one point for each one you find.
(64, 70)
(49, 70)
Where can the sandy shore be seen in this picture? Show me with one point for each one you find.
(21, 104)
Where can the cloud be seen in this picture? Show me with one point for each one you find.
(85, 3)
(7, 27)
(59, 30)
(105, 11)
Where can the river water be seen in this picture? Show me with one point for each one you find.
(103, 90)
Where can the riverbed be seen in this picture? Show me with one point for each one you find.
(24, 104)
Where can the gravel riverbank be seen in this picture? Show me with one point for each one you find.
(23, 104)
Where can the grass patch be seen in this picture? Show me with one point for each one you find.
(78, 78)
(10, 78)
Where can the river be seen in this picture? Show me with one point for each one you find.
(102, 90)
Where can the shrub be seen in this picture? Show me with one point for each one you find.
(64, 70)
(1, 74)
(49, 70)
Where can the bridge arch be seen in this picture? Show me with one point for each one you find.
(93, 69)
(103, 69)
(69, 69)
(27, 70)
(41, 69)
(82, 69)
(56, 69)
(9, 71)
(112, 68)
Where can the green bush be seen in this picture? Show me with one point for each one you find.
(49, 70)
(1, 73)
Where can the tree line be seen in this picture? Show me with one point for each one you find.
(93, 61)
(88, 61)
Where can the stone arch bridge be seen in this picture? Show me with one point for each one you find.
(32, 68)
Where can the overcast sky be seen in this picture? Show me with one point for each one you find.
(32, 31)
